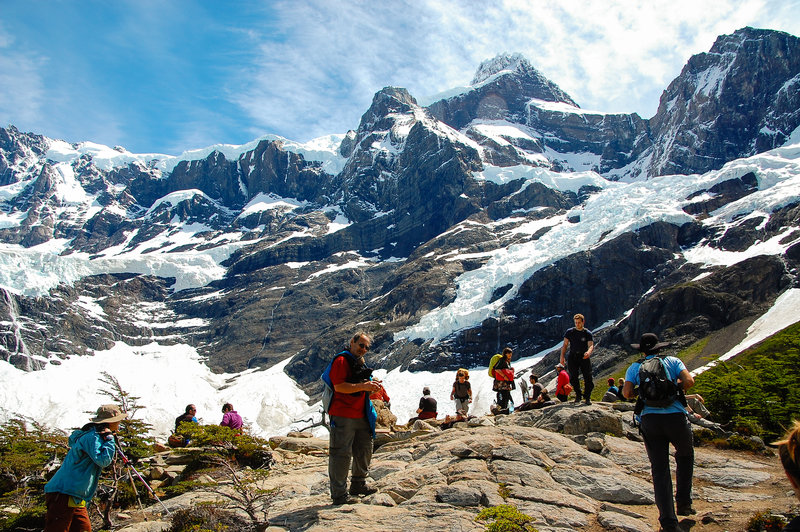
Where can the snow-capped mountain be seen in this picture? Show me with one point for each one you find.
(447, 230)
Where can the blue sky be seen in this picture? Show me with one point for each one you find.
(164, 77)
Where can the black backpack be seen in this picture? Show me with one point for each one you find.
(656, 387)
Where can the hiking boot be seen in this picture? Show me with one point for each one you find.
(362, 489)
(588, 401)
(578, 399)
(685, 509)
(672, 528)
(344, 499)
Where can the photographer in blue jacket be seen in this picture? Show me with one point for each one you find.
(91, 448)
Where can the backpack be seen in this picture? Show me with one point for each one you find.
(656, 387)
(493, 363)
(327, 385)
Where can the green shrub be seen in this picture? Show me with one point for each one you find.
(756, 393)
(204, 518)
(506, 518)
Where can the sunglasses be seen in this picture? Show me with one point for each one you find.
(364, 346)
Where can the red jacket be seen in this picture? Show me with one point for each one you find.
(563, 379)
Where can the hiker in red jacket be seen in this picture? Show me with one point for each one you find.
(562, 384)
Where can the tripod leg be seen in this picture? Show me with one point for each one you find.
(133, 485)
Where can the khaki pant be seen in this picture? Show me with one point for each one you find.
(351, 441)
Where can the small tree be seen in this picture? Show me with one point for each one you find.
(27, 450)
(506, 518)
(117, 487)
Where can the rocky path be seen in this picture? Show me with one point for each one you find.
(595, 480)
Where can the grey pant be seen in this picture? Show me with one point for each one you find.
(351, 441)
(462, 404)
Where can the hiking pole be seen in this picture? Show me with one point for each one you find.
(130, 465)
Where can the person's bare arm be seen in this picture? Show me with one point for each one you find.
(628, 391)
(687, 381)
(589, 351)
(353, 387)
(564, 350)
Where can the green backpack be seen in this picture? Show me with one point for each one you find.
(493, 363)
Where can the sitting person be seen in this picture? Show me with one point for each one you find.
(541, 401)
(789, 452)
(696, 406)
(449, 421)
(535, 388)
(563, 387)
(177, 439)
(231, 418)
(380, 395)
(427, 405)
(620, 384)
(612, 394)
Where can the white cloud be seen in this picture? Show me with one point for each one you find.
(21, 84)
(611, 56)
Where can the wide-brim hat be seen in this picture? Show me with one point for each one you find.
(649, 344)
(560, 365)
(109, 414)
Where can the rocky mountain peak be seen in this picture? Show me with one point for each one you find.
(702, 108)
(506, 61)
(386, 102)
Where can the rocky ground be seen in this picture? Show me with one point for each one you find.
(570, 467)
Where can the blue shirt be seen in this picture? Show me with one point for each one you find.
(674, 367)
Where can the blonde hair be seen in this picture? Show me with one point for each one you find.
(578, 317)
(464, 371)
(789, 451)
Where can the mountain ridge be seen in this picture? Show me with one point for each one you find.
(447, 231)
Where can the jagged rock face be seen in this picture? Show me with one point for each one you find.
(18, 152)
(701, 123)
(131, 305)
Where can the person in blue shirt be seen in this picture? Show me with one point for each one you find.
(660, 427)
(91, 448)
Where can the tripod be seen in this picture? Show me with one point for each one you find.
(128, 464)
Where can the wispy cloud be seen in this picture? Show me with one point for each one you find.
(614, 56)
(21, 87)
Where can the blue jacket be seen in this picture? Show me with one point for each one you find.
(88, 455)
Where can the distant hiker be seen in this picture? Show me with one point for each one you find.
(620, 384)
(231, 418)
(695, 405)
(91, 448)
(427, 405)
(789, 452)
(535, 388)
(352, 421)
(188, 416)
(177, 439)
(541, 401)
(581, 344)
(660, 385)
(462, 391)
(612, 394)
(504, 379)
(380, 395)
(563, 387)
